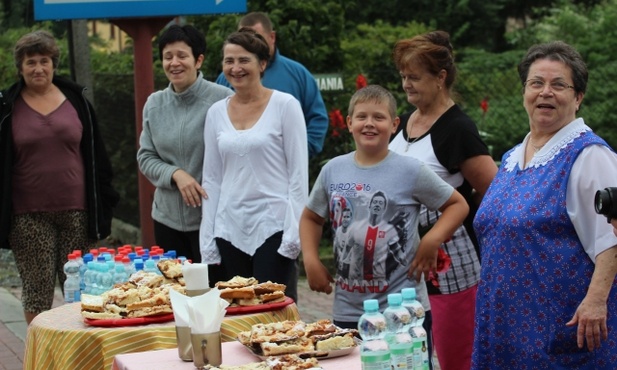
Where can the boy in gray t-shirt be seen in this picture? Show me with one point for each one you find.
(372, 197)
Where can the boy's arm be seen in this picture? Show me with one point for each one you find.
(311, 226)
(453, 213)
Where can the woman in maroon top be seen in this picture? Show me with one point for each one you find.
(55, 176)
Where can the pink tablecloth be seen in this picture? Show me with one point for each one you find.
(234, 353)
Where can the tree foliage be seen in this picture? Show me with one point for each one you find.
(356, 37)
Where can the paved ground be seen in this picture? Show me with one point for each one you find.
(312, 306)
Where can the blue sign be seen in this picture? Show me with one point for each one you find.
(93, 9)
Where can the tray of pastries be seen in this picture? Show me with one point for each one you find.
(248, 295)
(143, 299)
(320, 339)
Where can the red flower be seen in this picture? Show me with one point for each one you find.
(361, 82)
(337, 122)
(484, 105)
(443, 264)
(443, 261)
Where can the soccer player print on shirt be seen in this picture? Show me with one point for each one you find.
(368, 246)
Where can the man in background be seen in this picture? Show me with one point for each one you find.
(289, 76)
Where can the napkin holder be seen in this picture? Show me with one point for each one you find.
(206, 349)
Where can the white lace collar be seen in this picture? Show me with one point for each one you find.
(562, 138)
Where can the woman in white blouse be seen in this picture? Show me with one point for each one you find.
(255, 171)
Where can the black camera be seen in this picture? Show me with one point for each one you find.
(606, 203)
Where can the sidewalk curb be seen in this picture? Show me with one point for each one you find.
(12, 314)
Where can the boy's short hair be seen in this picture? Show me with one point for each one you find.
(373, 93)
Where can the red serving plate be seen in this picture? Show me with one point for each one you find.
(236, 310)
(241, 310)
(130, 321)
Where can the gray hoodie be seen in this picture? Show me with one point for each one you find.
(172, 139)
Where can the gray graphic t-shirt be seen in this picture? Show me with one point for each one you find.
(374, 217)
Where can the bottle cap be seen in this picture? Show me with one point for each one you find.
(88, 257)
(409, 293)
(139, 263)
(77, 253)
(371, 305)
(395, 299)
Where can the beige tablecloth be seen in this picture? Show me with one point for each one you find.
(59, 338)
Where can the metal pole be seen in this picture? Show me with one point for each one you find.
(142, 30)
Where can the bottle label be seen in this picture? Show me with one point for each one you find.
(424, 356)
(402, 359)
(417, 355)
(71, 296)
(375, 360)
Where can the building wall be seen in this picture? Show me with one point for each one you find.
(114, 37)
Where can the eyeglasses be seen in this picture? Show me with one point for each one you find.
(538, 85)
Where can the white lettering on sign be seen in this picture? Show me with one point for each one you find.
(330, 83)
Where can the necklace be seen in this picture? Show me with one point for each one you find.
(535, 148)
(409, 142)
(447, 106)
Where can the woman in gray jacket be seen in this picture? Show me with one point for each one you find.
(171, 143)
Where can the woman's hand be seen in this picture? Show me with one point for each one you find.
(591, 319)
(190, 189)
(591, 314)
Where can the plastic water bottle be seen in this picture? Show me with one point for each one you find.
(78, 257)
(400, 342)
(71, 284)
(82, 272)
(150, 266)
(374, 351)
(417, 332)
(105, 278)
(89, 278)
(120, 275)
(139, 264)
(128, 266)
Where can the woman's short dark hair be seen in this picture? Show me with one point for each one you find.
(557, 51)
(37, 42)
(251, 41)
(187, 34)
(432, 50)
